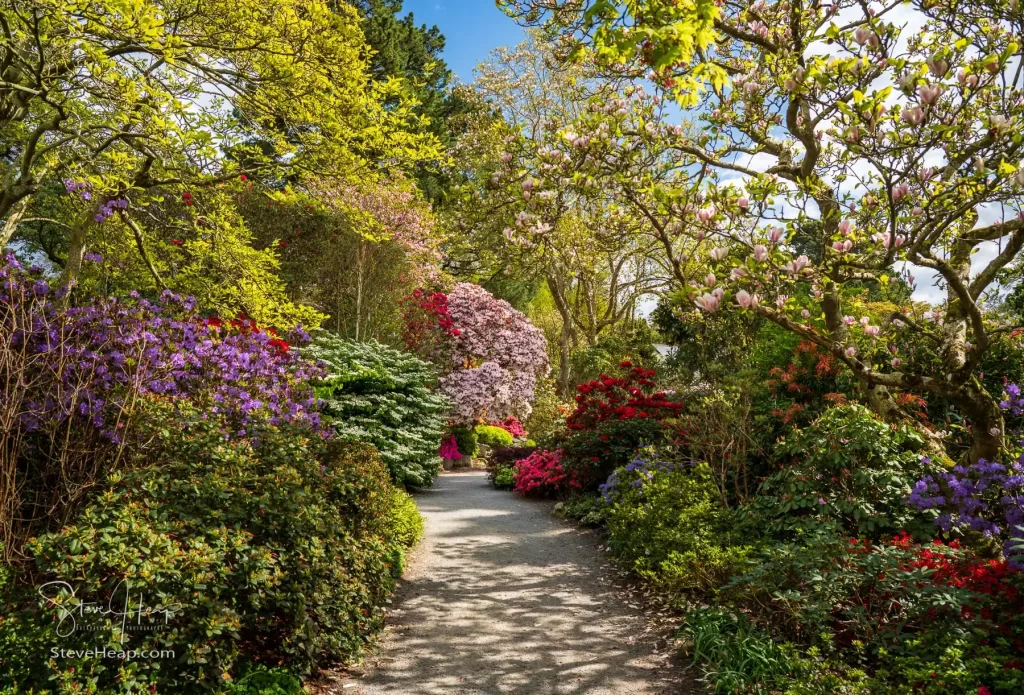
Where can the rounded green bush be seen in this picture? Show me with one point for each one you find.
(279, 546)
(404, 522)
(493, 436)
(465, 440)
(666, 524)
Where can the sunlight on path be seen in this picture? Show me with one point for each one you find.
(503, 598)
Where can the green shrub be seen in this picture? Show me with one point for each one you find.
(587, 510)
(264, 681)
(847, 470)
(404, 523)
(504, 477)
(273, 548)
(382, 396)
(490, 435)
(734, 656)
(465, 440)
(665, 522)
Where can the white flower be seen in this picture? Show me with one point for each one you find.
(718, 253)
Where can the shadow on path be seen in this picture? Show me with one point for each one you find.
(502, 598)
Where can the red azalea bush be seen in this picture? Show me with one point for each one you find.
(614, 417)
(541, 475)
(629, 396)
(426, 318)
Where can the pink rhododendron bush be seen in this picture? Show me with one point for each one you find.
(541, 475)
(490, 354)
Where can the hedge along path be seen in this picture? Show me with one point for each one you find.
(501, 597)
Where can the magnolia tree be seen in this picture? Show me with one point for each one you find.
(490, 354)
(522, 208)
(885, 135)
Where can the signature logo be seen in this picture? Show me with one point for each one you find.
(130, 607)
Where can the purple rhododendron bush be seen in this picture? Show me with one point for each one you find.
(149, 451)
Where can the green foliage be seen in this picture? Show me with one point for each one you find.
(273, 548)
(587, 510)
(734, 656)
(633, 342)
(265, 681)
(665, 523)
(490, 435)
(547, 419)
(465, 440)
(404, 522)
(503, 477)
(382, 396)
(847, 470)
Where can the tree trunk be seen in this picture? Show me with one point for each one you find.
(76, 250)
(986, 419)
(359, 284)
(566, 338)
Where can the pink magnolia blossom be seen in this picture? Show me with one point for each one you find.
(872, 331)
(844, 227)
(896, 362)
(738, 273)
(797, 265)
(929, 93)
(746, 300)
(851, 351)
(900, 192)
(710, 280)
(849, 320)
(760, 253)
(775, 234)
(708, 303)
(913, 116)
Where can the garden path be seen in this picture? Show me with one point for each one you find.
(501, 597)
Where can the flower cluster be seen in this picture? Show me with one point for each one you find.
(490, 354)
(450, 449)
(645, 469)
(80, 187)
(107, 209)
(1014, 401)
(426, 319)
(511, 425)
(541, 475)
(621, 398)
(92, 362)
(986, 497)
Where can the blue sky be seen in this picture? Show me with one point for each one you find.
(472, 29)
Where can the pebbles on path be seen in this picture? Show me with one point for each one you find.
(500, 597)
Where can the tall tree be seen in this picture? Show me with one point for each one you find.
(901, 144)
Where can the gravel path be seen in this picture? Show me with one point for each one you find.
(501, 597)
